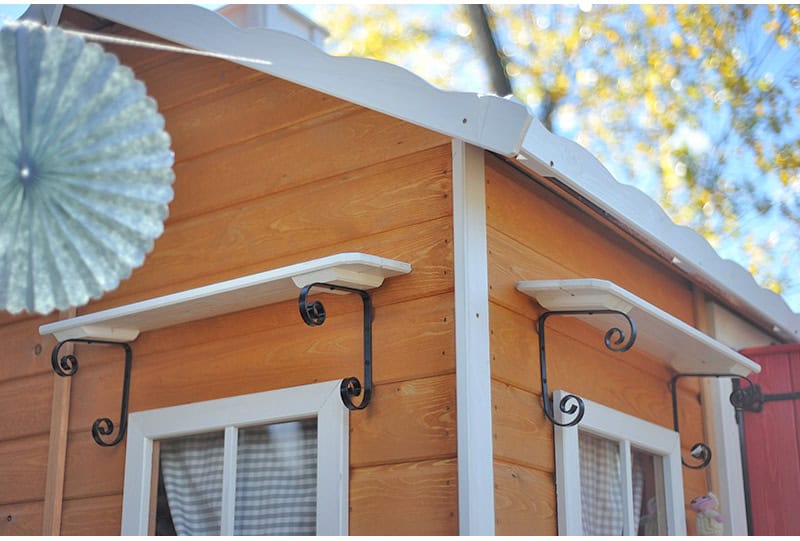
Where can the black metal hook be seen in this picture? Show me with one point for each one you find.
(742, 398)
(615, 340)
(313, 315)
(67, 366)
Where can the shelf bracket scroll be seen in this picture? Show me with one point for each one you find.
(616, 340)
(747, 398)
(67, 366)
(313, 314)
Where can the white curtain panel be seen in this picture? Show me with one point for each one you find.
(276, 480)
(602, 500)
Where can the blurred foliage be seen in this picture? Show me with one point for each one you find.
(697, 105)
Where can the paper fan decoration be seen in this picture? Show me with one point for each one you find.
(85, 170)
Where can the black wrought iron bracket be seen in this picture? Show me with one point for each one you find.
(67, 366)
(616, 340)
(748, 398)
(313, 314)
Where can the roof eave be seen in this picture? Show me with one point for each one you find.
(575, 167)
(488, 121)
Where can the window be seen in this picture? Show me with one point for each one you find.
(267, 463)
(617, 475)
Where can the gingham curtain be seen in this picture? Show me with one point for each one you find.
(276, 480)
(602, 501)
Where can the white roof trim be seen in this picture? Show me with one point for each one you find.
(496, 124)
(550, 155)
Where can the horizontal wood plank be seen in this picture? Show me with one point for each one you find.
(282, 159)
(239, 113)
(426, 246)
(408, 420)
(92, 516)
(310, 218)
(17, 519)
(521, 432)
(92, 470)
(23, 466)
(416, 498)
(525, 501)
(25, 352)
(411, 340)
(550, 227)
(25, 406)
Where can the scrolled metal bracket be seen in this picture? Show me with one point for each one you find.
(748, 398)
(67, 366)
(615, 340)
(313, 314)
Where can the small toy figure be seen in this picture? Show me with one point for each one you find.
(709, 521)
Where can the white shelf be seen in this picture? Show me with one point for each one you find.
(124, 323)
(659, 334)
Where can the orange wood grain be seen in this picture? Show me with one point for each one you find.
(550, 227)
(525, 501)
(408, 420)
(414, 498)
(19, 519)
(521, 434)
(93, 516)
(25, 406)
(426, 246)
(22, 469)
(272, 358)
(25, 352)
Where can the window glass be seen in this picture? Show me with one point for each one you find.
(648, 498)
(276, 479)
(602, 503)
(268, 463)
(191, 471)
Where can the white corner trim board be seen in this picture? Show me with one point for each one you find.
(124, 323)
(491, 122)
(659, 334)
(553, 156)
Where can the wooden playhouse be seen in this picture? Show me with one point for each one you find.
(458, 233)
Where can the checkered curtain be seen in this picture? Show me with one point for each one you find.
(602, 503)
(276, 480)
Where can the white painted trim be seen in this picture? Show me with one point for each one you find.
(229, 461)
(617, 426)
(473, 371)
(489, 121)
(124, 323)
(722, 432)
(320, 400)
(659, 334)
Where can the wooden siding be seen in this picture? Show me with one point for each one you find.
(535, 234)
(267, 174)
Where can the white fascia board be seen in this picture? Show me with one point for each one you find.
(488, 121)
(552, 156)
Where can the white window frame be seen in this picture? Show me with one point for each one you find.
(630, 431)
(318, 400)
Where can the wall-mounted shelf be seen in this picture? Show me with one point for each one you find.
(661, 335)
(124, 323)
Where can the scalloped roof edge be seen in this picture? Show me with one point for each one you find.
(496, 124)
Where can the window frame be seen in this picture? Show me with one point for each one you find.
(320, 400)
(602, 421)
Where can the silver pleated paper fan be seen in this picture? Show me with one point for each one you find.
(85, 170)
